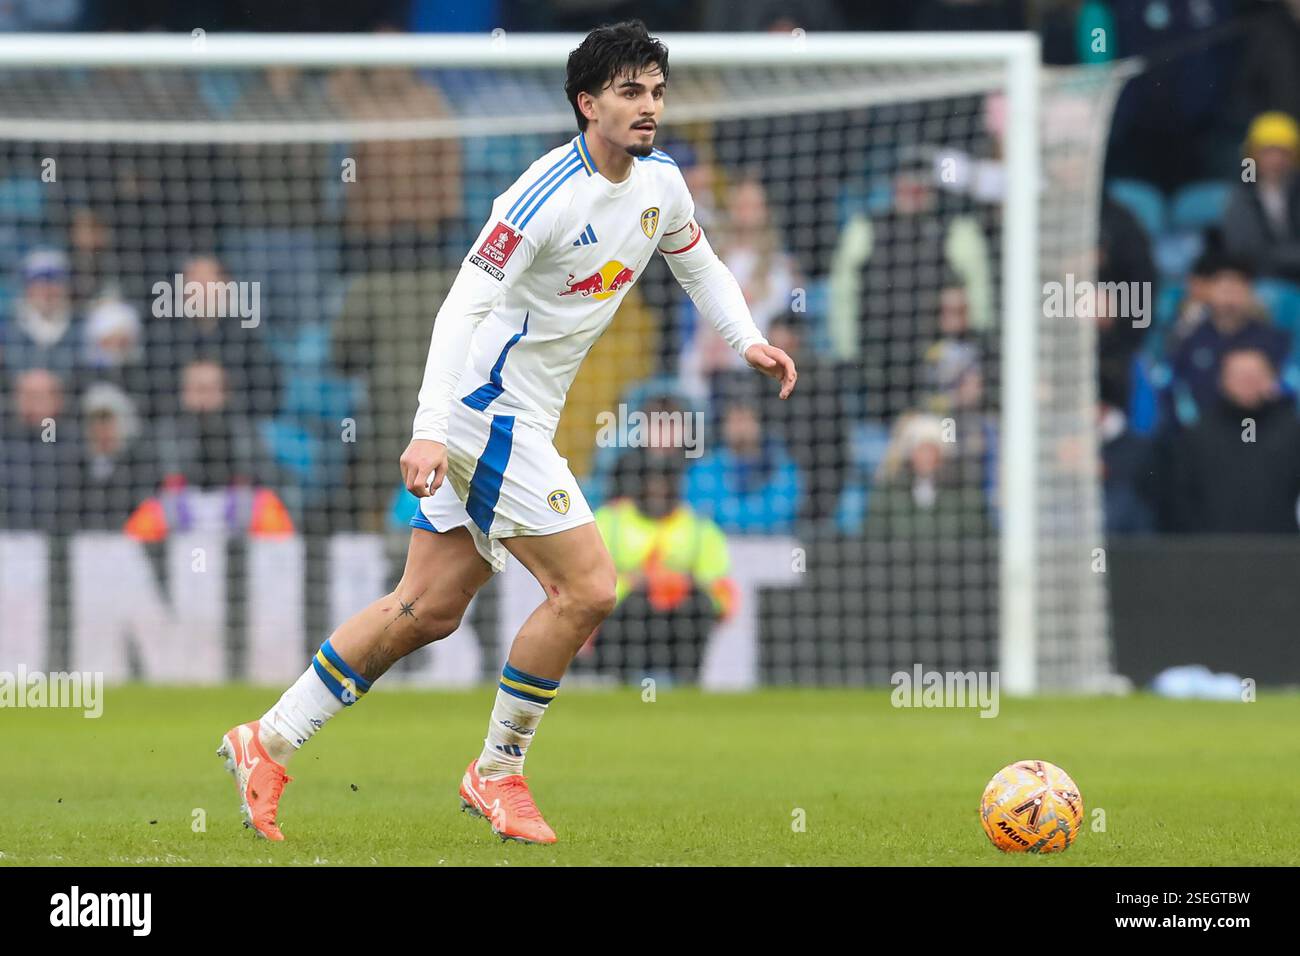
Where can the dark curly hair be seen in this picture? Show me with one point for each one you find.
(606, 53)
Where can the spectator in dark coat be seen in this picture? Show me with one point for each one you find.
(99, 269)
(815, 428)
(212, 465)
(38, 456)
(41, 331)
(1270, 74)
(1194, 307)
(953, 375)
(896, 299)
(1127, 463)
(209, 443)
(1237, 471)
(1234, 320)
(113, 352)
(117, 464)
(1262, 220)
(1123, 255)
(173, 341)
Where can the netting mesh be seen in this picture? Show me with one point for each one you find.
(217, 289)
(1074, 649)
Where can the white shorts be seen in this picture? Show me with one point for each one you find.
(504, 479)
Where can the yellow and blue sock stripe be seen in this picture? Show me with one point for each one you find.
(539, 690)
(343, 682)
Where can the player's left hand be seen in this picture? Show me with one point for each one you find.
(773, 363)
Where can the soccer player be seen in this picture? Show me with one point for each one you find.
(541, 282)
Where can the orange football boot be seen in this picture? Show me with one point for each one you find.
(259, 778)
(506, 804)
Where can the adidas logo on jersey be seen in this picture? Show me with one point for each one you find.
(587, 238)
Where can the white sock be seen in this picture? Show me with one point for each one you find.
(313, 699)
(514, 721)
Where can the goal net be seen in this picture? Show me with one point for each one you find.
(221, 257)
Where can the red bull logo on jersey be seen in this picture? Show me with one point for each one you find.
(613, 275)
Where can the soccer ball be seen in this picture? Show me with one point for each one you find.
(1031, 806)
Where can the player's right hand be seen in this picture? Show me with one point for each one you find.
(424, 465)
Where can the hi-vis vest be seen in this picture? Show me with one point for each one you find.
(672, 553)
(247, 510)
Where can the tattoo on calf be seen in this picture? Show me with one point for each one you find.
(406, 609)
(385, 653)
(377, 661)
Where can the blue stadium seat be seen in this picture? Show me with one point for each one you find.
(1290, 377)
(1144, 399)
(868, 444)
(872, 198)
(817, 335)
(304, 436)
(1198, 205)
(1167, 302)
(1282, 299)
(16, 240)
(1176, 252)
(315, 461)
(1141, 199)
(22, 199)
(1168, 299)
(221, 90)
(496, 162)
(292, 447)
(312, 397)
(295, 268)
(22, 216)
(307, 346)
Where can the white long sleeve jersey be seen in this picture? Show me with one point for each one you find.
(546, 275)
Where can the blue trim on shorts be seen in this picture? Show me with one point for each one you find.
(485, 486)
(418, 520)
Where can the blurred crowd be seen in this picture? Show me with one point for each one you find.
(1198, 410)
(119, 417)
(110, 415)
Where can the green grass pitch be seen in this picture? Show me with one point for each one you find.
(690, 778)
